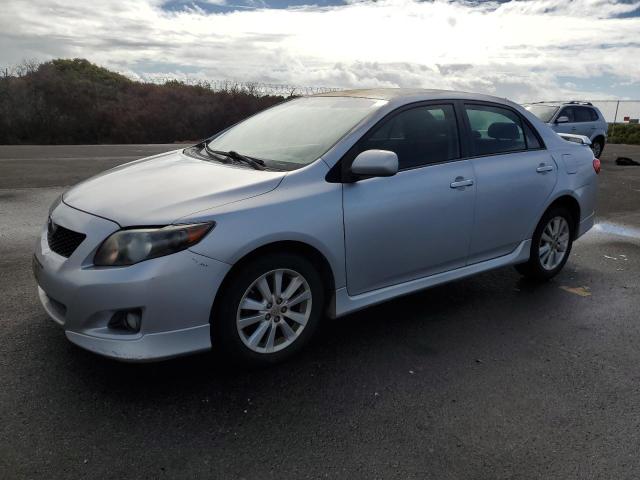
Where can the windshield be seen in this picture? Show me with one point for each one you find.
(296, 133)
(543, 112)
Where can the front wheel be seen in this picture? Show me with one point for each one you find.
(596, 147)
(268, 310)
(550, 246)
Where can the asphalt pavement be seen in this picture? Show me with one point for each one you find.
(490, 377)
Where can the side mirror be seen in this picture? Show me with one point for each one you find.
(562, 119)
(375, 163)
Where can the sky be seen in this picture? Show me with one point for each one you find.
(526, 50)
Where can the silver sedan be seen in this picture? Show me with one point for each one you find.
(317, 207)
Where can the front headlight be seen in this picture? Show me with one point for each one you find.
(127, 247)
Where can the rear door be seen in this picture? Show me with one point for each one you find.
(584, 121)
(418, 222)
(515, 175)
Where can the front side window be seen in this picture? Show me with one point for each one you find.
(494, 130)
(419, 136)
(569, 113)
(298, 132)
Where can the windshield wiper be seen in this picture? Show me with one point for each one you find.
(214, 153)
(253, 162)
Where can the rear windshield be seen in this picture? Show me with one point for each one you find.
(543, 112)
(297, 132)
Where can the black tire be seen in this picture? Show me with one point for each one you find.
(225, 337)
(533, 268)
(597, 147)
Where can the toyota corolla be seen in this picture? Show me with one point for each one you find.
(317, 207)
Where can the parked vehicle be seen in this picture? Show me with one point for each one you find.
(322, 205)
(580, 118)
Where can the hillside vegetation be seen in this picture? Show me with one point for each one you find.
(76, 102)
(624, 133)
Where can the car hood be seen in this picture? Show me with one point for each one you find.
(161, 189)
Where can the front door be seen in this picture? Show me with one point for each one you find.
(570, 126)
(418, 222)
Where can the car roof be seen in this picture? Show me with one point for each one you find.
(399, 97)
(561, 104)
(406, 95)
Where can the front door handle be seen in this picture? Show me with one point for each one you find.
(544, 168)
(460, 182)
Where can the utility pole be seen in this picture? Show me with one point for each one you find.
(615, 118)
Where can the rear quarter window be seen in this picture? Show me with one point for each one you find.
(533, 142)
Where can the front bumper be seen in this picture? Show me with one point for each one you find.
(175, 294)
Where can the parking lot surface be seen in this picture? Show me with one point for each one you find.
(486, 378)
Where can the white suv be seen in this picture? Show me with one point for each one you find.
(579, 118)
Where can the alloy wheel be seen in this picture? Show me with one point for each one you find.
(554, 243)
(274, 310)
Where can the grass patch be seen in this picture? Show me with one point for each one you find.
(628, 133)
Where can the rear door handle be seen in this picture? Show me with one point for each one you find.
(544, 168)
(460, 183)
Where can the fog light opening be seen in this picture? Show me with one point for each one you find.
(127, 320)
(132, 321)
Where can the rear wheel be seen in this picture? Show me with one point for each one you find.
(550, 246)
(268, 310)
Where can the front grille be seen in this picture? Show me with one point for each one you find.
(62, 240)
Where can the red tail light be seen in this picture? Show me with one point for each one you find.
(596, 165)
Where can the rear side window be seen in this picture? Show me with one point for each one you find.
(419, 136)
(583, 114)
(495, 130)
(594, 115)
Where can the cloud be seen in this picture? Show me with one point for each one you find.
(525, 50)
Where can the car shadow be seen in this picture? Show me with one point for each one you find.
(415, 328)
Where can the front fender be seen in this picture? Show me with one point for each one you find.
(304, 208)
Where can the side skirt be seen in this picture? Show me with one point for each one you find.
(345, 304)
